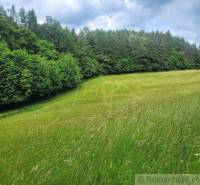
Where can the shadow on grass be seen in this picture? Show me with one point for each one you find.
(34, 104)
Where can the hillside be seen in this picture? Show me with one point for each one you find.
(105, 131)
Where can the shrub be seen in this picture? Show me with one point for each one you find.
(15, 78)
(46, 49)
(69, 70)
(124, 66)
(89, 67)
(177, 60)
(25, 77)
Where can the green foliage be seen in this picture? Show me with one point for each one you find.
(17, 37)
(3, 11)
(3, 48)
(124, 66)
(177, 60)
(32, 21)
(62, 39)
(23, 17)
(55, 76)
(25, 82)
(25, 77)
(46, 49)
(9, 92)
(106, 63)
(41, 59)
(128, 51)
(15, 80)
(69, 70)
(89, 67)
(28, 41)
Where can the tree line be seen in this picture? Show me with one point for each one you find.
(38, 60)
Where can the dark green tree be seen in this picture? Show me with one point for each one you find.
(23, 16)
(32, 21)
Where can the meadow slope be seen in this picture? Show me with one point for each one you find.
(105, 131)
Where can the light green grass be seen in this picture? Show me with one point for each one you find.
(105, 131)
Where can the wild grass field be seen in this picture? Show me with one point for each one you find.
(105, 132)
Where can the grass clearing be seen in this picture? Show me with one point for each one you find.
(105, 131)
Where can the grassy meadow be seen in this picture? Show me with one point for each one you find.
(105, 131)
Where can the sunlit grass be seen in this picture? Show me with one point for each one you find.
(105, 131)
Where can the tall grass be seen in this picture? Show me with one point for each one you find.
(105, 132)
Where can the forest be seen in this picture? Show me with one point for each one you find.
(40, 60)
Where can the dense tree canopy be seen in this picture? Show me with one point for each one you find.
(39, 60)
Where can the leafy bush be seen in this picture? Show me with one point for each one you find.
(124, 66)
(46, 49)
(24, 77)
(89, 67)
(15, 78)
(70, 71)
(177, 60)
